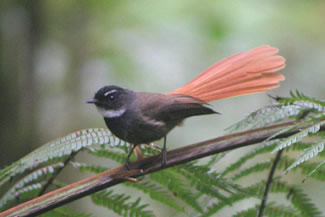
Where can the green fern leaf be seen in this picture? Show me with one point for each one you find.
(298, 199)
(302, 202)
(65, 212)
(302, 146)
(118, 203)
(156, 193)
(59, 149)
(311, 173)
(34, 177)
(208, 182)
(303, 101)
(26, 193)
(307, 154)
(174, 183)
(284, 131)
(89, 168)
(259, 167)
(313, 169)
(266, 116)
(113, 155)
(215, 159)
(216, 207)
(261, 150)
(298, 136)
(271, 210)
(306, 168)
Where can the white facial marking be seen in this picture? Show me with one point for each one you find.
(111, 113)
(109, 92)
(154, 122)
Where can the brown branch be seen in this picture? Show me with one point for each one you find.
(142, 167)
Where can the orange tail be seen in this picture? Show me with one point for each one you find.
(243, 73)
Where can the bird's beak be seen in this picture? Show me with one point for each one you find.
(92, 101)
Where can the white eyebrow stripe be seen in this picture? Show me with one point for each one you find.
(109, 92)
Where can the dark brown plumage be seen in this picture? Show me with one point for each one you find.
(141, 118)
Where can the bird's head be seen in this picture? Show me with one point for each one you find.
(111, 101)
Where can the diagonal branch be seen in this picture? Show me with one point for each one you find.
(145, 166)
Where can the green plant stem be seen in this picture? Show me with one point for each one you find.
(269, 183)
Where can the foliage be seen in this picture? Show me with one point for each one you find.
(194, 188)
(65, 212)
(118, 203)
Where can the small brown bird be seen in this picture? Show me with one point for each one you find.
(141, 118)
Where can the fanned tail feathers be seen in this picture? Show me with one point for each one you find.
(243, 73)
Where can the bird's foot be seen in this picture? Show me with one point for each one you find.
(127, 162)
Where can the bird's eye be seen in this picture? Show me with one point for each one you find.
(110, 95)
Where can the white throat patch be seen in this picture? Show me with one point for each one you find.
(111, 113)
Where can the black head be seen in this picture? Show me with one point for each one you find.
(111, 101)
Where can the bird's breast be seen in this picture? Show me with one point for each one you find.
(136, 129)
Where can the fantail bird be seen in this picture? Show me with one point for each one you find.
(141, 118)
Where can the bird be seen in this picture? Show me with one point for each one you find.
(143, 117)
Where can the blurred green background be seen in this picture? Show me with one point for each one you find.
(54, 55)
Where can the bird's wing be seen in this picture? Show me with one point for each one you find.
(176, 107)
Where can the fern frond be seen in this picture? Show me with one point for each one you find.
(311, 173)
(120, 157)
(174, 183)
(156, 193)
(302, 146)
(109, 154)
(23, 194)
(203, 183)
(236, 165)
(271, 210)
(303, 101)
(285, 107)
(306, 168)
(266, 116)
(287, 129)
(214, 159)
(89, 168)
(34, 177)
(307, 154)
(298, 136)
(118, 203)
(259, 167)
(311, 169)
(298, 199)
(150, 149)
(302, 202)
(57, 150)
(216, 207)
(208, 182)
(65, 212)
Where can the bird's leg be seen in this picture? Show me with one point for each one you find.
(127, 160)
(138, 152)
(164, 153)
